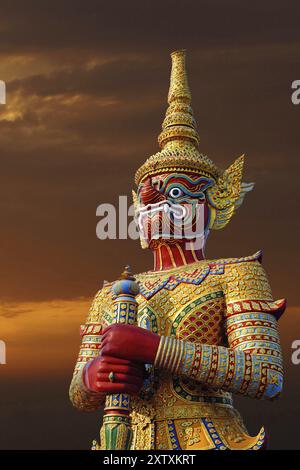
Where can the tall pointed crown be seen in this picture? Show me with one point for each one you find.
(179, 143)
(179, 139)
(179, 122)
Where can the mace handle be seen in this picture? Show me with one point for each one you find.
(116, 432)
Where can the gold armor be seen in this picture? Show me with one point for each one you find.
(196, 303)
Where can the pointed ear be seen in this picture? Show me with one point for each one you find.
(227, 194)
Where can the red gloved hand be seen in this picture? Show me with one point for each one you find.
(127, 377)
(129, 342)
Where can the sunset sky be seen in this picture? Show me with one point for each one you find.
(87, 85)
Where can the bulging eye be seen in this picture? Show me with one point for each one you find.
(175, 192)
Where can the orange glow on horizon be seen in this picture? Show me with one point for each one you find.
(42, 337)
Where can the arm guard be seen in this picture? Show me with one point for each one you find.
(80, 396)
(252, 364)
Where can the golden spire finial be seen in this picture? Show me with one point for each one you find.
(179, 123)
(179, 88)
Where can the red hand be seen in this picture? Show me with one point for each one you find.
(128, 377)
(129, 342)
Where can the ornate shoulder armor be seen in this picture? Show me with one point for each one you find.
(247, 289)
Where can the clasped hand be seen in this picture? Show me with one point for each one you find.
(119, 368)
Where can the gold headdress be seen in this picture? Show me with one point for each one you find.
(179, 143)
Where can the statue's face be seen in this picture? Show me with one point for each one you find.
(172, 206)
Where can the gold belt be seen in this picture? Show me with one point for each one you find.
(197, 410)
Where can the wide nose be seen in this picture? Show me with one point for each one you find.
(150, 195)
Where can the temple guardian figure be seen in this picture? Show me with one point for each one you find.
(206, 329)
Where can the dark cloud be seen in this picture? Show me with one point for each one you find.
(116, 27)
(119, 78)
(12, 311)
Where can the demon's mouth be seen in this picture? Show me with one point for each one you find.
(166, 220)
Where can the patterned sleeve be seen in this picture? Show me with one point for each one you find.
(251, 364)
(81, 397)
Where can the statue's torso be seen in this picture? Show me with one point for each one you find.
(189, 304)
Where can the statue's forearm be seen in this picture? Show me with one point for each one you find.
(256, 373)
(81, 396)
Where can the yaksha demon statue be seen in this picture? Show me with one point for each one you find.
(205, 329)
